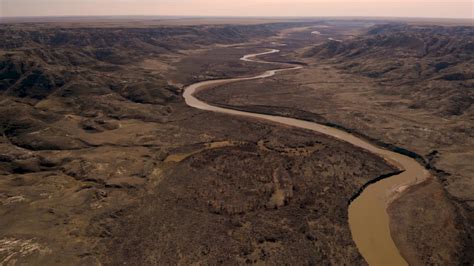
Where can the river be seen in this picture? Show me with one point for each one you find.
(368, 218)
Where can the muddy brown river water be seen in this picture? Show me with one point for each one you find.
(368, 218)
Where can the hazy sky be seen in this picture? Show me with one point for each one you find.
(400, 8)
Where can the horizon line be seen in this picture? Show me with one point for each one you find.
(217, 16)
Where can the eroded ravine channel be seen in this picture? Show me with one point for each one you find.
(368, 218)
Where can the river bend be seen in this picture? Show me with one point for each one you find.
(368, 218)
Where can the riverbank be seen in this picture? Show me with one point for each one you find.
(367, 213)
(325, 93)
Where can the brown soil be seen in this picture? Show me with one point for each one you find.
(89, 116)
(428, 113)
(422, 206)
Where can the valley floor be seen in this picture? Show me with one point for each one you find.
(112, 166)
(432, 218)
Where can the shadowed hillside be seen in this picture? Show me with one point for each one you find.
(433, 65)
(408, 87)
(102, 161)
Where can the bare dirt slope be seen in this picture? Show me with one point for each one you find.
(102, 162)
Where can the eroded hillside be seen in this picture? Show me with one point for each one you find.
(102, 162)
(407, 87)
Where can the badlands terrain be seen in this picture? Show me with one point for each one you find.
(102, 161)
